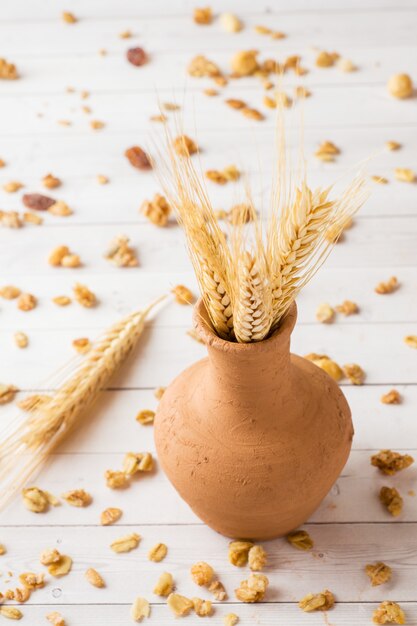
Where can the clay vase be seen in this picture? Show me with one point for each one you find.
(252, 437)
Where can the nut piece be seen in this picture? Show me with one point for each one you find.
(379, 573)
(21, 340)
(9, 292)
(56, 619)
(10, 612)
(317, 602)
(165, 585)
(110, 516)
(405, 175)
(218, 590)
(179, 605)
(257, 558)
(78, 497)
(392, 500)
(184, 146)
(392, 397)
(61, 567)
(158, 552)
(84, 296)
(388, 612)
(389, 462)
(37, 201)
(203, 16)
(387, 287)
(244, 63)
(126, 543)
(137, 56)
(32, 581)
(230, 23)
(138, 158)
(202, 573)
(121, 254)
(400, 86)
(325, 363)
(157, 211)
(50, 556)
(411, 341)
(253, 589)
(300, 539)
(140, 609)
(183, 295)
(94, 578)
(26, 302)
(355, 373)
(231, 619)
(325, 313)
(116, 479)
(203, 608)
(146, 416)
(7, 393)
(347, 308)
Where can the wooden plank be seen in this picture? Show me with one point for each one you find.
(151, 500)
(337, 561)
(159, 358)
(131, 290)
(266, 614)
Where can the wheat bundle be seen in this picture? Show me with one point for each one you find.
(29, 442)
(248, 281)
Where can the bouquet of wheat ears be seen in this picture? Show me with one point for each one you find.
(249, 277)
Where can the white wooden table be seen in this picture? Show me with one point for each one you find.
(355, 112)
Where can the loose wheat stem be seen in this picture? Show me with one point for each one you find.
(50, 422)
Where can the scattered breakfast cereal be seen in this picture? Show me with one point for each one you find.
(61, 300)
(138, 158)
(7, 393)
(300, 539)
(388, 286)
(56, 619)
(202, 573)
(411, 341)
(9, 292)
(346, 65)
(325, 313)
(400, 86)
(165, 585)
(202, 608)
(326, 59)
(347, 308)
(62, 256)
(239, 552)
(158, 552)
(126, 543)
(203, 16)
(390, 462)
(326, 364)
(84, 296)
(110, 516)
(183, 295)
(8, 70)
(94, 578)
(37, 500)
(116, 479)
(354, 373)
(184, 146)
(327, 151)
(121, 254)
(50, 181)
(26, 302)
(78, 497)
(102, 180)
(391, 397)
(49, 556)
(231, 619)
(125, 34)
(405, 175)
(60, 209)
(218, 590)
(253, 589)
(317, 601)
(388, 612)
(393, 145)
(13, 186)
(11, 612)
(140, 609)
(21, 340)
(230, 23)
(244, 63)
(97, 124)
(137, 56)
(32, 581)
(62, 567)
(391, 499)
(257, 558)
(145, 417)
(159, 392)
(379, 573)
(68, 17)
(179, 605)
(201, 66)
(156, 210)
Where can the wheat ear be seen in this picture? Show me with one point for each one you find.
(50, 421)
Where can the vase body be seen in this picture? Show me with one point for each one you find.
(252, 437)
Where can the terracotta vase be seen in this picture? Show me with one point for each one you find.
(252, 437)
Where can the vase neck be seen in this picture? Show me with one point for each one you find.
(246, 368)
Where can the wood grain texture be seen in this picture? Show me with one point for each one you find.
(351, 528)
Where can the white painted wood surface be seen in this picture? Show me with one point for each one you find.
(354, 110)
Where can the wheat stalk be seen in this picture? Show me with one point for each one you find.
(51, 420)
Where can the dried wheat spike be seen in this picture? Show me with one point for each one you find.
(253, 304)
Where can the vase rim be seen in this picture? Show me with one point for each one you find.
(205, 330)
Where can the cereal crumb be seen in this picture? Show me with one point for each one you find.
(347, 308)
(203, 16)
(82, 345)
(126, 543)
(391, 499)
(231, 619)
(84, 296)
(354, 373)
(8, 71)
(179, 605)
(325, 363)
(391, 397)
(300, 539)
(379, 573)
(257, 558)
(26, 302)
(61, 300)
(388, 612)
(230, 23)
(121, 254)
(56, 619)
(253, 589)
(244, 63)
(325, 313)
(390, 462)
(140, 609)
(158, 552)
(184, 146)
(317, 602)
(110, 516)
(202, 573)
(21, 340)
(50, 181)
(165, 585)
(411, 341)
(405, 175)
(78, 497)
(392, 145)
(388, 286)
(69, 18)
(94, 578)
(156, 210)
(400, 86)
(145, 417)
(116, 479)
